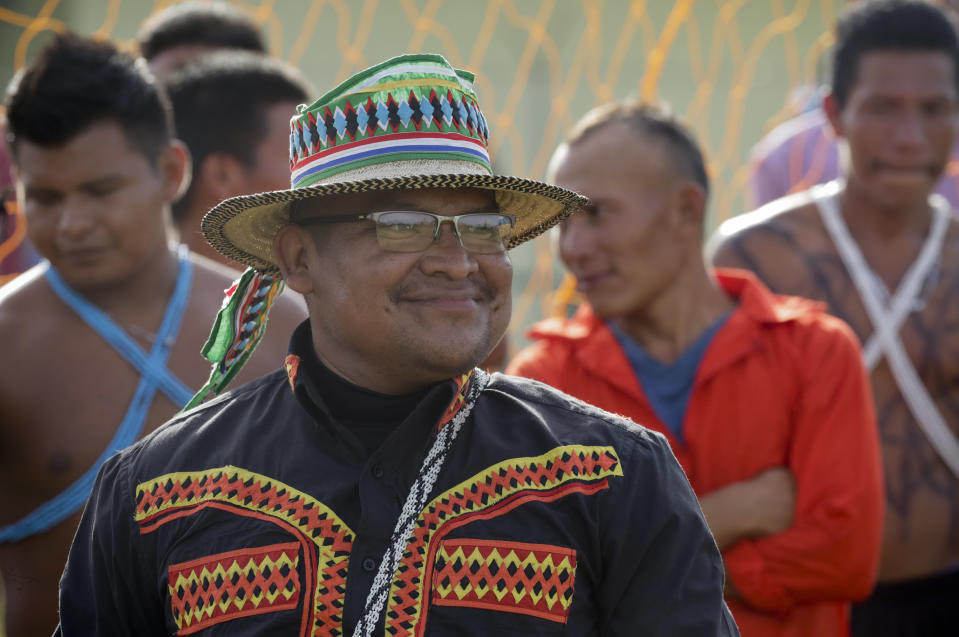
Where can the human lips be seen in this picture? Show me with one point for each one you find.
(457, 300)
(906, 170)
(82, 253)
(586, 281)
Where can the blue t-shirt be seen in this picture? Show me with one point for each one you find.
(668, 386)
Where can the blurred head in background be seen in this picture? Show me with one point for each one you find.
(894, 98)
(170, 38)
(639, 240)
(90, 133)
(232, 109)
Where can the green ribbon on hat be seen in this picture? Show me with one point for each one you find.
(239, 325)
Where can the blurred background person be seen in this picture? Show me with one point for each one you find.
(107, 331)
(232, 110)
(764, 399)
(168, 39)
(883, 253)
(803, 151)
(182, 32)
(727, 72)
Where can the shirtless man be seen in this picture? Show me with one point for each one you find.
(96, 168)
(894, 104)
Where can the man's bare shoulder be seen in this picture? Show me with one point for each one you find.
(27, 309)
(764, 226)
(772, 241)
(17, 295)
(211, 277)
(35, 327)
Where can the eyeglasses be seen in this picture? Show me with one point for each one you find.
(415, 231)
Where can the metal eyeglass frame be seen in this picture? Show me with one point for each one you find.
(440, 220)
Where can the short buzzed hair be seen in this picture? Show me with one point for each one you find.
(220, 102)
(651, 122)
(214, 24)
(889, 25)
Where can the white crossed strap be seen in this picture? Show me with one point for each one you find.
(888, 320)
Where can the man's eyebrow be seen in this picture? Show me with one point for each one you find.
(487, 208)
(98, 182)
(394, 204)
(106, 180)
(35, 188)
(398, 204)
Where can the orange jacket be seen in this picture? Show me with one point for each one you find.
(782, 384)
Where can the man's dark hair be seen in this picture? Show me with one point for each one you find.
(214, 24)
(76, 82)
(220, 102)
(889, 25)
(653, 123)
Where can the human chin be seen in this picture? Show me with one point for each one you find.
(454, 348)
(902, 189)
(442, 360)
(606, 303)
(87, 269)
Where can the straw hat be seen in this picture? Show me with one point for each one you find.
(410, 122)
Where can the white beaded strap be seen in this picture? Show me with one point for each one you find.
(415, 501)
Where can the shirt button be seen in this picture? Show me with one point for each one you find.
(377, 471)
(369, 565)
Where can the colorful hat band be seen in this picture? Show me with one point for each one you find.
(389, 115)
(410, 122)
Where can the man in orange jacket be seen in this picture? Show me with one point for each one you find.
(764, 399)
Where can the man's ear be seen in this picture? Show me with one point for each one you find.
(831, 108)
(295, 253)
(222, 176)
(174, 165)
(690, 207)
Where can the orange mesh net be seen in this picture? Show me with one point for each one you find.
(724, 66)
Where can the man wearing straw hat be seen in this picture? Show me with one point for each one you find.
(380, 483)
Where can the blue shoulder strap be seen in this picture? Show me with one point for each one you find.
(154, 375)
(154, 365)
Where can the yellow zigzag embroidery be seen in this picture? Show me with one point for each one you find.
(260, 579)
(510, 562)
(269, 498)
(535, 475)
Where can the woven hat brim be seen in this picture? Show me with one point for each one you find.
(243, 228)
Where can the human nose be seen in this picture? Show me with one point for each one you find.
(446, 255)
(910, 129)
(76, 216)
(574, 239)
